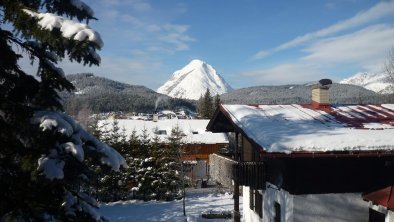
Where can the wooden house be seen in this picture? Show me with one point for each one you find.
(308, 162)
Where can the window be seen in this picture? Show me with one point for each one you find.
(256, 201)
(251, 198)
(259, 204)
(375, 216)
(277, 212)
(161, 132)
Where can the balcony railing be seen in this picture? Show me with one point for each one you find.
(250, 174)
(224, 170)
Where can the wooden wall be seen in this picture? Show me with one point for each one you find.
(200, 151)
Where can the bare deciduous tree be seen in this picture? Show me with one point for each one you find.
(389, 64)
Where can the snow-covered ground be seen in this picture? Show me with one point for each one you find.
(197, 202)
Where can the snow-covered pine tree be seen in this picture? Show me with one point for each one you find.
(156, 147)
(115, 136)
(94, 128)
(112, 186)
(144, 149)
(133, 143)
(169, 165)
(45, 157)
(145, 177)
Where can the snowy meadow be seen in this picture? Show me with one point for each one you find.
(197, 202)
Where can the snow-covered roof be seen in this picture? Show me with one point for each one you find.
(195, 130)
(293, 128)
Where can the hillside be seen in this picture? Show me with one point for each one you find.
(103, 95)
(301, 94)
(98, 94)
(193, 80)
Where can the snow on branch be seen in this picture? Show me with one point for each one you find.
(68, 28)
(64, 125)
(81, 202)
(53, 121)
(51, 166)
(75, 149)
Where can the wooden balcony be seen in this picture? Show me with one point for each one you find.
(251, 174)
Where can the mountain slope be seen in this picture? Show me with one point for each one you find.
(301, 94)
(104, 95)
(377, 82)
(193, 80)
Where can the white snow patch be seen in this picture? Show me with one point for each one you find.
(112, 158)
(52, 121)
(68, 28)
(51, 168)
(197, 202)
(75, 150)
(389, 106)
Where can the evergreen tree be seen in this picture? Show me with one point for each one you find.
(217, 102)
(205, 105)
(45, 157)
(115, 137)
(200, 106)
(133, 144)
(144, 145)
(112, 186)
(170, 165)
(94, 128)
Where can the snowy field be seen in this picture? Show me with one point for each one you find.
(197, 201)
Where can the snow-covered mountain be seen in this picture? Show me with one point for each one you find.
(193, 80)
(377, 82)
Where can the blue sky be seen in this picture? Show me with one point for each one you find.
(249, 42)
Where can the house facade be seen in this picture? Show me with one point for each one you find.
(308, 162)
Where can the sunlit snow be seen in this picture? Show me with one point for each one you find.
(197, 202)
(193, 80)
(68, 28)
(290, 128)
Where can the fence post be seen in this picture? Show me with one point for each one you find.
(237, 215)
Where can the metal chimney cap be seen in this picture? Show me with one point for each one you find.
(322, 84)
(325, 82)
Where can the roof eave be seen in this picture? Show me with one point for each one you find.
(329, 154)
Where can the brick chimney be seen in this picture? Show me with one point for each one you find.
(320, 94)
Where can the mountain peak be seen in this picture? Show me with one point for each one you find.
(193, 80)
(377, 82)
(196, 62)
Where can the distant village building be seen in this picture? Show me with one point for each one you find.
(198, 143)
(308, 162)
